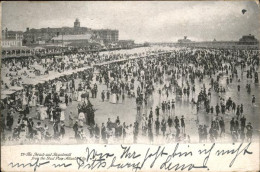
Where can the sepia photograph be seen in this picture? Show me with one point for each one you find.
(129, 73)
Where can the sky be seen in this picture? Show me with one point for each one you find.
(152, 21)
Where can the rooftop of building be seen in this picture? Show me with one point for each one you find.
(56, 29)
(126, 40)
(105, 30)
(12, 32)
(248, 38)
(72, 37)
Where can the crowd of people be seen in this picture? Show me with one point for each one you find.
(182, 75)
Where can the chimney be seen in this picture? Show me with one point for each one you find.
(27, 29)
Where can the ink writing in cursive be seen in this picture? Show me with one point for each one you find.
(36, 165)
(168, 165)
(235, 151)
(93, 159)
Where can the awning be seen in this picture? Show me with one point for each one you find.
(7, 92)
(39, 48)
(30, 81)
(3, 96)
(16, 56)
(15, 88)
(15, 48)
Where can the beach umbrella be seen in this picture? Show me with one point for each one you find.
(16, 88)
(7, 92)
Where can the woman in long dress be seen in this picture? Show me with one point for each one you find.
(129, 135)
(33, 101)
(24, 99)
(113, 98)
(79, 96)
(62, 114)
(81, 118)
(33, 90)
(75, 95)
(23, 132)
(38, 130)
(44, 97)
(51, 115)
(58, 86)
(70, 97)
(43, 113)
(46, 128)
(110, 134)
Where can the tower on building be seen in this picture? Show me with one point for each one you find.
(76, 23)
